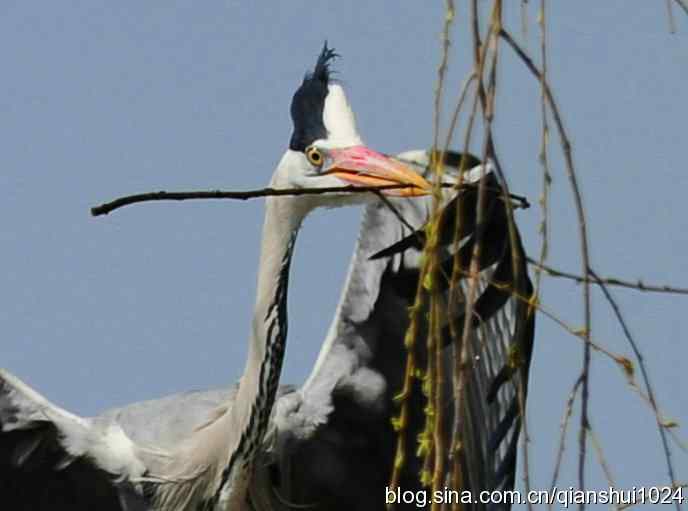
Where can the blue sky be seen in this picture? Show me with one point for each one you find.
(100, 99)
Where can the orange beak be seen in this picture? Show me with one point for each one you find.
(361, 166)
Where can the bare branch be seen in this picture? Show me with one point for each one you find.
(609, 281)
(601, 457)
(108, 207)
(585, 254)
(435, 354)
(544, 158)
(568, 410)
(645, 375)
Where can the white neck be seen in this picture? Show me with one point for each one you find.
(248, 417)
(223, 450)
(283, 217)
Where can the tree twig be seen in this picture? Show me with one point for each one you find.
(585, 254)
(609, 281)
(435, 368)
(643, 371)
(597, 445)
(568, 410)
(108, 207)
(544, 158)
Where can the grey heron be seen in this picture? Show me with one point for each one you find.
(51, 458)
(330, 442)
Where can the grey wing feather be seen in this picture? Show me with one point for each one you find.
(51, 459)
(165, 421)
(332, 441)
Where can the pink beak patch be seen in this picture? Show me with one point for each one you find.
(361, 166)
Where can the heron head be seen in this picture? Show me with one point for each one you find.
(326, 150)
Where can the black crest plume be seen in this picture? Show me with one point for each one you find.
(309, 101)
(322, 67)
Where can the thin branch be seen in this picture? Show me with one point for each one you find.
(643, 372)
(426, 446)
(395, 211)
(487, 102)
(544, 158)
(610, 281)
(462, 346)
(585, 254)
(578, 333)
(435, 353)
(568, 410)
(601, 458)
(108, 207)
(458, 373)
(623, 363)
(668, 424)
(457, 110)
(544, 161)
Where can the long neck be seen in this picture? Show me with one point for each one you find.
(268, 334)
(250, 413)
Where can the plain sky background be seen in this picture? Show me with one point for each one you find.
(101, 99)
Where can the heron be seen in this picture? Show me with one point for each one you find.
(329, 443)
(55, 459)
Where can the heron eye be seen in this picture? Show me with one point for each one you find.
(314, 156)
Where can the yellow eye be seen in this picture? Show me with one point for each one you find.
(314, 156)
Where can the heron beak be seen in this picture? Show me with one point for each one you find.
(361, 166)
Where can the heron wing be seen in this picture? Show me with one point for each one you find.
(164, 422)
(52, 459)
(334, 443)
